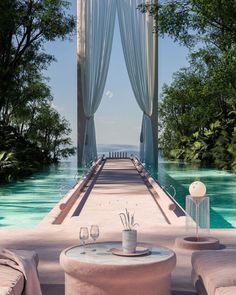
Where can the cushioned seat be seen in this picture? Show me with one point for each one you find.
(226, 291)
(11, 281)
(216, 271)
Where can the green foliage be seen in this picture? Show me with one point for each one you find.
(51, 133)
(191, 21)
(35, 132)
(24, 28)
(18, 156)
(198, 109)
(198, 120)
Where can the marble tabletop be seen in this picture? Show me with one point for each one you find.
(103, 254)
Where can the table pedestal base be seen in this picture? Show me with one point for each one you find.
(102, 273)
(161, 286)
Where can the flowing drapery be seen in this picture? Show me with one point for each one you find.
(96, 30)
(139, 47)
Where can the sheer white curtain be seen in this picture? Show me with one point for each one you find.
(97, 19)
(138, 42)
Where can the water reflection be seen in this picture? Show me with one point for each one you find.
(25, 203)
(221, 188)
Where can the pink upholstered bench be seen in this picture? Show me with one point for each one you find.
(214, 272)
(226, 291)
(12, 281)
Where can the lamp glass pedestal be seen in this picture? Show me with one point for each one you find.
(197, 226)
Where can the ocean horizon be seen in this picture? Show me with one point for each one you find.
(104, 149)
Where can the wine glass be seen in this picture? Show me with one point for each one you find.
(83, 235)
(94, 233)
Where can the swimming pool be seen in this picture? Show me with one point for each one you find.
(221, 188)
(25, 203)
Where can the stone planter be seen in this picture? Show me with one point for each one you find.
(200, 243)
(129, 241)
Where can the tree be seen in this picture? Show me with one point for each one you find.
(198, 109)
(196, 113)
(25, 26)
(191, 21)
(18, 156)
(51, 132)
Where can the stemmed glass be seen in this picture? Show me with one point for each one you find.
(83, 235)
(94, 233)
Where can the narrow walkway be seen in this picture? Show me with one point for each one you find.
(119, 186)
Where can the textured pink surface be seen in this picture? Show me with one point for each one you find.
(18, 272)
(215, 268)
(129, 279)
(226, 291)
(204, 243)
(167, 205)
(11, 281)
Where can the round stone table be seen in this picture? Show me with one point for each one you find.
(102, 273)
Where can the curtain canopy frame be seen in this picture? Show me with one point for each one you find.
(82, 137)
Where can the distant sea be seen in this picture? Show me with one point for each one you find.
(104, 149)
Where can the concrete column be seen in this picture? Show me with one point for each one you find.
(154, 116)
(80, 108)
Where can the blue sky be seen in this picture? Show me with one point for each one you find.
(118, 119)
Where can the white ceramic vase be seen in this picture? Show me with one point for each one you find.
(129, 241)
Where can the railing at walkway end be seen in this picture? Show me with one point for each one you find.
(118, 155)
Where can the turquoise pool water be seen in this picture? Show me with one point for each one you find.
(221, 188)
(25, 203)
